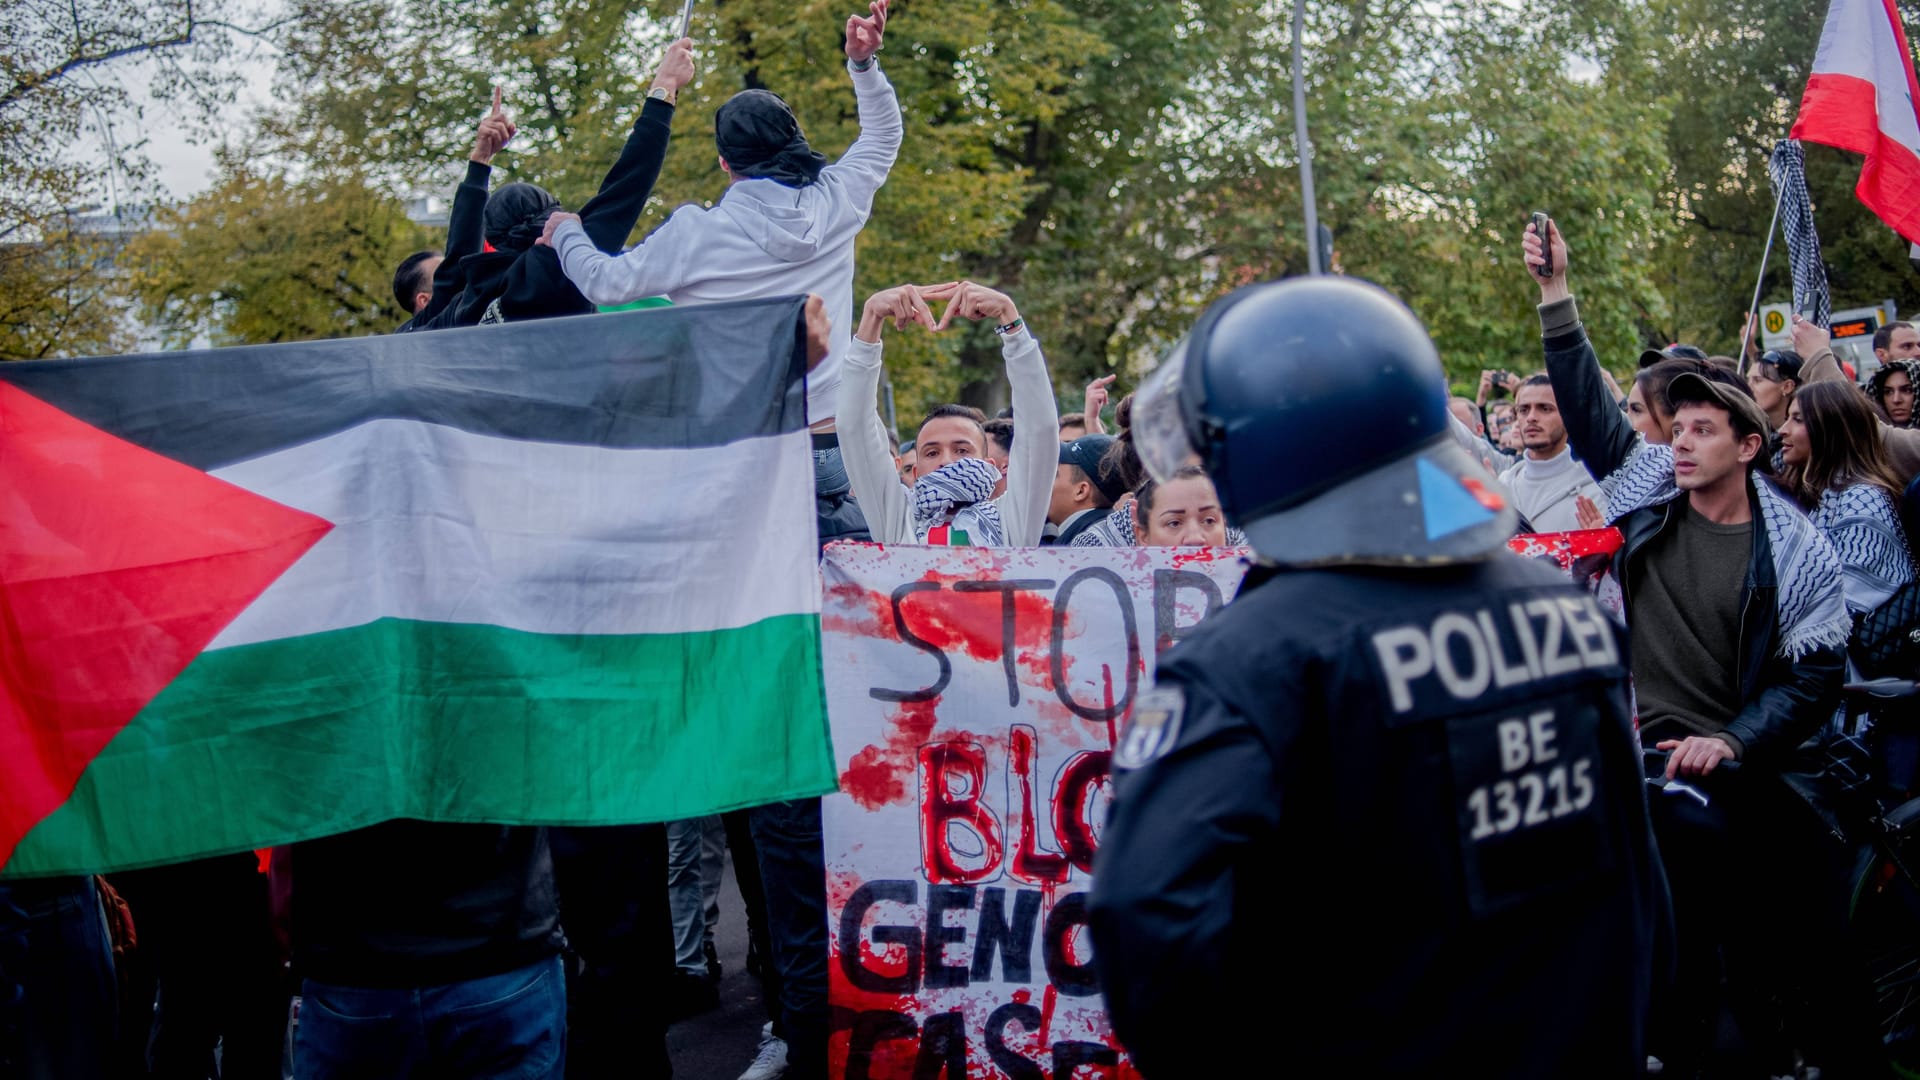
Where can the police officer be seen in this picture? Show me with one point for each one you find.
(1384, 813)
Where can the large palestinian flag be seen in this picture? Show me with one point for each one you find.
(556, 572)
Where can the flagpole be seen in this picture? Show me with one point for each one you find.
(1300, 142)
(1753, 309)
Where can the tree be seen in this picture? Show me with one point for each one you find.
(1731, 73)
(1116, 166)
(1024, 122)
(263, 258)
(60, 66)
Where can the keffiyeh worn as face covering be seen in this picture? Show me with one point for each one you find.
(959, 495)
(517, 214)
(760, 139)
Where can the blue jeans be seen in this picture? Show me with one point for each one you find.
(57, 995)
(504, 1026)
(793, 872)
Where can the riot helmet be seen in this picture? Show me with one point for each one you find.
(1320, 408)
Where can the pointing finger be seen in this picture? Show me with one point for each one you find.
(496, 99)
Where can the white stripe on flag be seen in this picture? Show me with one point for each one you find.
(436, 524)
(1859, 39)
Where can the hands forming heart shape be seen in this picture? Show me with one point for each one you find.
(906, 304)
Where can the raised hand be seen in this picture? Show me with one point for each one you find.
(864, 32)
(903, 304)
(1096, 400)
(819, 330)
(554, 221)
(1809, 337)
(1588, 513)
(676, 67)
(496, 129)
(1533, 253)
(971, 301)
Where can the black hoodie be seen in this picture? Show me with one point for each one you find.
(530, 284)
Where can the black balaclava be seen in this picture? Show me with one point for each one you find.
(517, 214)
(761, 140)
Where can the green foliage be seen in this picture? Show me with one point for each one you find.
(1732, 72)
(264, 258)
(61, 71)
(1114, 166)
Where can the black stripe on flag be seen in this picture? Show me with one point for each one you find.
(671, 377)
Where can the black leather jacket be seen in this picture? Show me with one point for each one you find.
(1782, 701)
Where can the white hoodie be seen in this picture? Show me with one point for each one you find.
(888, 504)
(762, 239)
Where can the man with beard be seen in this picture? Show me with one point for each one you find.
(1546, 481)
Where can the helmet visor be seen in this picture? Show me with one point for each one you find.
(1159, 428)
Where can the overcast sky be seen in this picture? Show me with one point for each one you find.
(184, 165)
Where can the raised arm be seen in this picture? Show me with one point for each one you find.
(1096, 400)
(1600, 436)
(609, 216)
(864, 167)
(863, 443)
(1815, 345)
(1031, 465)
(466, 221)
(588, 243)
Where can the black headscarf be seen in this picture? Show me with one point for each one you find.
(516, 215)
(761, 140)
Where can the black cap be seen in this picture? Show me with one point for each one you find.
(1785, 361)
(1672, 352)
(1086, 452)
(1692, 389)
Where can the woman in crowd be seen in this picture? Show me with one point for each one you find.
(1837, 467)
(1892, 388)
(1774, 378)
(1647, 400)
(1183, 512)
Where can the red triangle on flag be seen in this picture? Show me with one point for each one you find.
(117, 566)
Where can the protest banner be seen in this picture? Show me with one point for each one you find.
(1585, 556)
(976, 695)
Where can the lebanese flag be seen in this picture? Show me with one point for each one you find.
(558, 572)
(1862, 97)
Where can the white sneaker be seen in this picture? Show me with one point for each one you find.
(771, 1062)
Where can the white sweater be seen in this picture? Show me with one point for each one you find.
(888, 504)
(1544, 491)
(762, 239)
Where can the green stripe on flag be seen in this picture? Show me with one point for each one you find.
(307, 736)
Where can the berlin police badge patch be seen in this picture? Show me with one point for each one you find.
(1154, 728)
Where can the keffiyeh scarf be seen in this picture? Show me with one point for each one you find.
(1810, 609)
(1864, 528)
(954, 504)
(1119, 530)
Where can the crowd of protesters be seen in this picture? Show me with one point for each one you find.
(1761, 516)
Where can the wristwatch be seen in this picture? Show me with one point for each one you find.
(864, 65)
(660, 93)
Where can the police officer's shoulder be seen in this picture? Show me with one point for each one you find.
(1508, 568)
